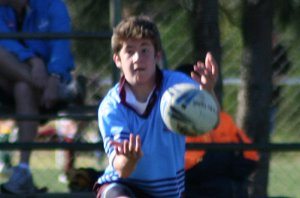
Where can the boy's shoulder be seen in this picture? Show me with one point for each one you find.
(112, 94)
(174, 77)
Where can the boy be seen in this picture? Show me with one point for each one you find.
(145, 158)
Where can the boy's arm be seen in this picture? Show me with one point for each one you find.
(12, 45)
(127, 155)
(60, 49)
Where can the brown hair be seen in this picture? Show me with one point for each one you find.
(136, 27)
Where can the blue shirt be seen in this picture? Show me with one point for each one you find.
(41, 16)
(160, 172)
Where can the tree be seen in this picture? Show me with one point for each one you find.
(90, 53)
(255, 91)
(206, 35)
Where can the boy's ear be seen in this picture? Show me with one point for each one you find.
(158, 57)
(117, 60)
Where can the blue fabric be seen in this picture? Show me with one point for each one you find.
(160, 172)
(41, 17)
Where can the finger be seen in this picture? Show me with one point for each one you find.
(138, 145)
(125, 147)
(131, 142)
(199, 68)
(208, 74)
(198, 71)
(211, 63)
(196, 77)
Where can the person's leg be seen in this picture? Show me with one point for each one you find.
(16, 81)
(21, 180)
(16, 78)
(12, 69)
(26, 104)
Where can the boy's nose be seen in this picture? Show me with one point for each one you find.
(135, 57)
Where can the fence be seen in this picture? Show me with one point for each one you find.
(284, 171)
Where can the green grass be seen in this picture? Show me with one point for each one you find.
(284, 175)
(49, 178)
(46, 168)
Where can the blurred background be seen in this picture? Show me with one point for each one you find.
(241, 35)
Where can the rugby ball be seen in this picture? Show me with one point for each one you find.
(187, 110)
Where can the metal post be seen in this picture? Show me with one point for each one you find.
(115, 17)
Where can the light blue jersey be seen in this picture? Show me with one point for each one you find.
(160, 172)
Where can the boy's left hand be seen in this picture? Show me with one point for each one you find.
(128, 154)
(206, 74)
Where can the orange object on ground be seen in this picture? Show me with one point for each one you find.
(226, 132)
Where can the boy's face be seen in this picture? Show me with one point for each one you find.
(137, 59)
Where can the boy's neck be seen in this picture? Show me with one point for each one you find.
(142, 92)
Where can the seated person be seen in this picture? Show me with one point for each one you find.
(35, 75)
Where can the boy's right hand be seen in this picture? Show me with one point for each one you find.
(128, 154)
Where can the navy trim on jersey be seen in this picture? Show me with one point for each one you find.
(159, 78)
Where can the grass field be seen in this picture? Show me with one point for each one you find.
(285, 175)
(283, 181)
(47, 167)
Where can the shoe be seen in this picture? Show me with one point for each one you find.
(20, 182)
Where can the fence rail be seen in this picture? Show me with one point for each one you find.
(51, 195)
(48, 116)
(270, 147)
(57, 35)
(85, 112)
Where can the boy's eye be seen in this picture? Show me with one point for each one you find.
(130, 52)
(144, 50)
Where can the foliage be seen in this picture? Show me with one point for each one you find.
(285, 12)
(90, 16)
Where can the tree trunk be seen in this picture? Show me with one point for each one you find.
(255, 91)
(206, 35)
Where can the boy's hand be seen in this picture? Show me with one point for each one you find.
(127, 155)
(206, 74)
